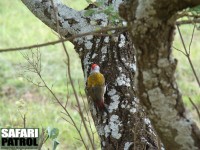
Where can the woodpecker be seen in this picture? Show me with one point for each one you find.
(96, 87)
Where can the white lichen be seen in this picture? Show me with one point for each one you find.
(143, 139)
(127, 145)
(163, 106)
(134, 103)
(104, 143)
(149, 79)
(97, 43)
(116, 4)
(86, 59)
(164, 62)
(120, 69)
(81, 49)
(88, 44)
(136, 100)
(123, 80)
(124, 23)
(147, 121)
(145, 9)
(114, 103)
(164, 83)
(146, 76)
(107, 130)
(89, 37)
(114, 126)
(133, 110)
(106, 40)
(132, 67)
(105, 119)
(184, 131)
(86, 63)
(103, 58)
(81, 25)
(100, 129)
(93, 22)
(104, 50)
(123, 59)
(94, 55)
(124, 104)
(122, 41)
(112, 92)
(100, 16)
(114, 100)
(156, 70)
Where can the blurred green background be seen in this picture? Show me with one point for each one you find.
(19, 27)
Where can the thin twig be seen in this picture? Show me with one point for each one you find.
(23, 118)
(192, 38)
(70, 78)
(42, 139)
(37, 70)
(88, 116)
(67, 96)
(191, 18)
(194, 105)
(186, 22)
(188, 56)
(68, 121)
(71, 81)
(179, 50)
(76, 96)
(96, 33)
(64, 109)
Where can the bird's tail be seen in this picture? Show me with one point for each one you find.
(101, 106)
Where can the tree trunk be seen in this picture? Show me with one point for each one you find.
(152, 25)
(126, 126)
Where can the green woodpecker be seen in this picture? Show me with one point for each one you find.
(96, 87)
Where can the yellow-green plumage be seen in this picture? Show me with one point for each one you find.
(96, 89)
(95, 79)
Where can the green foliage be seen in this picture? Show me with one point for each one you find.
(55, 144)
(195, 10)
(53, 134)
(89, 12)
(89, 1)
(112, 14)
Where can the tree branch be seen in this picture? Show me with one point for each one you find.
(70, 20)
(186, 22)
(101, 32)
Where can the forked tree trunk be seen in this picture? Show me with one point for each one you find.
(152, 26)
(126, 126)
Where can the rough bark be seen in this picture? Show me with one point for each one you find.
(126, 126)
(152, 25)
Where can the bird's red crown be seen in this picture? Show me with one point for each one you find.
(93, 66)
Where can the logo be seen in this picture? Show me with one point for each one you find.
(14, 138)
